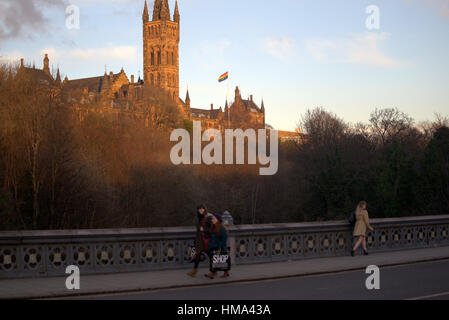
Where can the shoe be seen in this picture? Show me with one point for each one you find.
(225, 275)
(211, 275)
(365, 253)
(192, 273)
(352, 253)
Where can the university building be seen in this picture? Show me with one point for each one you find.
(124, 95)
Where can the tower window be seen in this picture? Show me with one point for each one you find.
(159, 58)
(152, 58)
(173, 58)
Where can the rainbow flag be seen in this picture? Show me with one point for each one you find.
(223, 77)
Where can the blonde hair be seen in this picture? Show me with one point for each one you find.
(360, 207)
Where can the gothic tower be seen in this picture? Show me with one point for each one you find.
(161, 47)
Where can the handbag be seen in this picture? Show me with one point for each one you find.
(221, 261)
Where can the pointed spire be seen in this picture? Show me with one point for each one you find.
(187, 98)
(176, 16)
(262, 107)
(226, 105)
(165, 10)
(157, 10)
(145, 15)
(105, 82)
(58, 77)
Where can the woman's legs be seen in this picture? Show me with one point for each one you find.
(358, 243)
(197, 261)
(364, 244)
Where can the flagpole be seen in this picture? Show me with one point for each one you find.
(227, 94)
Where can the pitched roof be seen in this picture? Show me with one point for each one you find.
(251, 105)
(37, 74)
(202, 113)
(93, 84)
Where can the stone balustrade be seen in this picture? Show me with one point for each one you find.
(48, 253)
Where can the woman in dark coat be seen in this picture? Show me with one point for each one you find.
(218, 240)
(203, 228)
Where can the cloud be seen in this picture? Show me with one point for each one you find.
(357, 48)
(11, 57)
(280, 48)
(123, 53)
(24, 17)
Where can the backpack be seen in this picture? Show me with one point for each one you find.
(352, 219)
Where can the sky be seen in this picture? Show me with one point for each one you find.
(295, 55)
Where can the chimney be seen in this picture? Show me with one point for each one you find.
(251, 97)
(21, 63)
(132, 78)
(211, 107)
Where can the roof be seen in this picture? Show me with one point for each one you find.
(93, 84)
(203, 113)
(251, 105)
(37, 74)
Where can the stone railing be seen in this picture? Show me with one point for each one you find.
(48, 253)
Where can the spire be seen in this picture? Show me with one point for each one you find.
(105, 82)
(226, 105)
(262, 107)
(237, 93)
(187, 98)
(176, 16)
(157, 10)
(145, 16)
(165, 10)
(58, 77)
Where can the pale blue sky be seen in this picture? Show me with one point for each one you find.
(294, 54)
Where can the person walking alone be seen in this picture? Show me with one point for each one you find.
(362, 223)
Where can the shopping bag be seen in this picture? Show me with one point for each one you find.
(221, 261)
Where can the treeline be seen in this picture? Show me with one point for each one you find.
(60, 170)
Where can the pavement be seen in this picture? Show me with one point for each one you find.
(123, 283)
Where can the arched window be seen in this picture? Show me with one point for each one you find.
(159, 79)
(166, 60)
(173, 58)
(152, 57)
(159, 57)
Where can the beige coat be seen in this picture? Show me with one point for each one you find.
(362, 223)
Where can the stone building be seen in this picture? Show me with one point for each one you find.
(117, 91)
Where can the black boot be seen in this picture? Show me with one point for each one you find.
(352, 253)
(365, 253)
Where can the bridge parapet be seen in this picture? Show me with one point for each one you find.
(48, 253)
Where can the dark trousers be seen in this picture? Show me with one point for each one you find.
(198, 258)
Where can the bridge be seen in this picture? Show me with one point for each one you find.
(33, 263)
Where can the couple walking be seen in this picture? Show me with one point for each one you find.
(211, 236)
